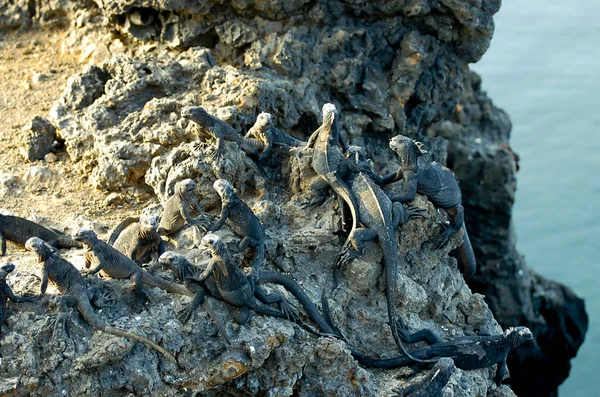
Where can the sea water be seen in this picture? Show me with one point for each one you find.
(543, 68)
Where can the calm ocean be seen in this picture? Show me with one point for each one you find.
(543, 68)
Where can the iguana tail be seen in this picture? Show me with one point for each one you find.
(260, 256)
(394, 362)
(167, 285)
(343, 191)
(465, 257)
(86, 310)
(119, 229)
(268, 276)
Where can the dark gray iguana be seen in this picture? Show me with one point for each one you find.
(19, 230)
(177, 209)
(242, 221)
(71, 283)
(468, 352)
(114, 264)
(138, 238)
(228, 277)
(217, 129)
(6, 292)
(380, 218)
(265, 137)
(432, 384)
(331, 166)
(439, 184)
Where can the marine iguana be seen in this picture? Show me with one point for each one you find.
(331, 166)
(217, 129)
(380, 217)
(440, 185)
(242, 221)
(191, 275)
(468, 352)
(432, 384)
(70, 282)
(138, 238)
(232, 284)
(114, 264)
(177, 209)
(266, 137)
(19, 230)
(6, 292)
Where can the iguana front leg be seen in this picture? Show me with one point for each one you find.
(222, 219)
(449, 230)
(44, 285)
(2, 244)
(401, 214)
(18, 299)
(218, 154)
(408, 189)
(93, 270)
(357, 247)
(290, 311)
(185, 315)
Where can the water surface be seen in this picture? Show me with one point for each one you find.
(543, 68)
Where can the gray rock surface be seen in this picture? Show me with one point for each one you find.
(40, 138)
(390, 67)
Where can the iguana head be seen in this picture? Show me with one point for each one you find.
(224, 189)
(214, 243)
(264, 119)
(86, 236)
(516, 336)
(196, 114)
(185, 187)
(356, 153)
(329, 113)
(5, 270)
(40, 247)
(148, 223)
(407, 149)
(174, 262)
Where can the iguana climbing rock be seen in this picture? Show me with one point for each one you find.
(265, 137)
(432, 384)
(176, 211)
(439, 184)
(217, 129)
(331, 165)
(380, 218)
(191, 276)
(242, 221)
(70, 282)
(233, 286)
(19, 230)
(6, 292)
(138, 238)
(468, 352)
(114, 264)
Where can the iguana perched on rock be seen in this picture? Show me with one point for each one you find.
(217, 129)
(138, 238)
(440, 185)
(193, 278)
(331, 166)
(468, 352)
(432, 384)
(19, 230)
(266, 137)
(6, 292)
(230, 283)
(380, 218)
(176, 211)
(242, 221)
(71, 283)
(114, 264)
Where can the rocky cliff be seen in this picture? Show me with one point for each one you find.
(390, 67)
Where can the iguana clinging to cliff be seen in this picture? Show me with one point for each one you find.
(380, 217)
(177, 209)
(217, 129)
(70, 282)
(439, 184)
(331, 165)
(6, 292)
(19, 230)
(266, 137)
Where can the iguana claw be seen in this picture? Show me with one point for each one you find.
(416, 212)
(442, 239)
(184, 315)
(290, 311)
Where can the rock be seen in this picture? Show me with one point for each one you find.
(112, 199)
(41, 135)
(50, 158)
(8, 184)
(39, 78)
(38, 175)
